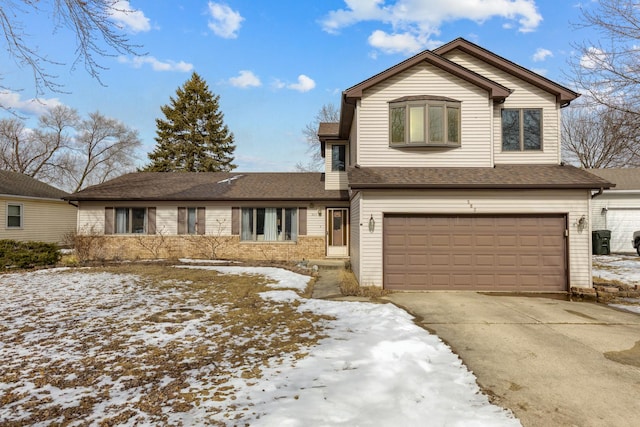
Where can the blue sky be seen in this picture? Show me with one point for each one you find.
(275, 63)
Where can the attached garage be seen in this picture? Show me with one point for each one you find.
(475, 252)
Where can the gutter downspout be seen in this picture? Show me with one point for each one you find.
(599, 193)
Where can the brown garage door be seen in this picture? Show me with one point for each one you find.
(493, 253)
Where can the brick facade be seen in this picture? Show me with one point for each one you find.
(132, 247)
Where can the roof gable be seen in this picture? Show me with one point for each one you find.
(18, 184)
(496, 90)
(562, 94)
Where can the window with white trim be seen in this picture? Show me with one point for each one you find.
(521, 129)
(14, 215)
(130, 221)
(424, 121)
(269, 224)
(338, 158)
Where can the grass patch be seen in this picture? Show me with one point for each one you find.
(167, 342)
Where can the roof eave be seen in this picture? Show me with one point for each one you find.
(478, 186)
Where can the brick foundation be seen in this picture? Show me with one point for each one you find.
(205, 247)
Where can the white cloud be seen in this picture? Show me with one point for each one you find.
(542, 54)
(156, 65)
(224, 22)
(593, 58)
(245, 79)
(12, 101)
(304, 84)
(395, 43)
(133, 20)
(418, 21)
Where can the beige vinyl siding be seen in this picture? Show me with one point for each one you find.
(335, 180)
(524, 95)
(218, 215)
(316, 220)
(43, 220)
(424, 79)
(357, 224)
(575, 203)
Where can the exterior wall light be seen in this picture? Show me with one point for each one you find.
(372, 224)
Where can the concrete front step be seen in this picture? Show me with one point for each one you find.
(329, 263)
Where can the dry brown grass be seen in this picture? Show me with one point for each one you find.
(253, 334)
(349, 286)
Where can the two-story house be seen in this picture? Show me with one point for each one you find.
(444, 172)
(455, 176)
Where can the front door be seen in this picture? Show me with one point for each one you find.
(337, 232)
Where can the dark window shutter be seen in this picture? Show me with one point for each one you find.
(235, 221)
(302, 221)
(201, 225)
(182, 220)
(108, 220)
(151, 220)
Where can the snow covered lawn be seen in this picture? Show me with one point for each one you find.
(220, 346)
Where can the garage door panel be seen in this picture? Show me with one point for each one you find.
(509, 253)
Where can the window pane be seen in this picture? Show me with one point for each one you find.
(260, 223)
(453, 124)
(270, 224)
(137, 220)
(531, 120)
(397, 125)
(122, 220)
(510, 130)
(191, 220)
(416, 124)
(14, 216)
(338, 158)
(247, 224)
(436, 124)
(291, 224)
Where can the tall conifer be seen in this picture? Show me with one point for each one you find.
(193, 136)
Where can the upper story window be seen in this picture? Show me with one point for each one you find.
(521, 129)
(131, 221)
(424, 121)
(14, 216)
(338, 158)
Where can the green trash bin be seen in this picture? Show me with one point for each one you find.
(600, 242)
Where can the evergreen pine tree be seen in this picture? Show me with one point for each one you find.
(193, 136)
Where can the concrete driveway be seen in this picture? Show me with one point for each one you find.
(552, 362)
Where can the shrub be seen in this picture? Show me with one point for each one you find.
(27, 254)
(88, 245)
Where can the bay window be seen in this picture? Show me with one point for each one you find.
(269, 224)
(424, 120)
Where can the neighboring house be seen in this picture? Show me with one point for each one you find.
(618, 209)
(444, 172)
(33, 210)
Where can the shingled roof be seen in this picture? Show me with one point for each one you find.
(206, 186)
(624, 178)
(18, 184)
(499, 177)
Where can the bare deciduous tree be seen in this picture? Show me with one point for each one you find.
(607, 70)
(91, 21)
(66, 151)
(329, 113)
(600, 136)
